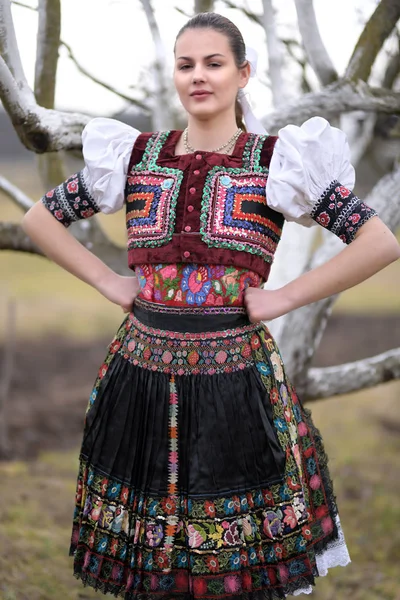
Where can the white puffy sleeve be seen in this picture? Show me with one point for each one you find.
(99, 187)
(311, 179)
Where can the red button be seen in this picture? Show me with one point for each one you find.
(198, 157)
(192, 190)
(196, 172)
(190, 208)
(188, 228)
(186, 254)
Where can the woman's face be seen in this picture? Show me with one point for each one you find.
(206, 77)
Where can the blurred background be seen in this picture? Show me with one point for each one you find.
(54, 329)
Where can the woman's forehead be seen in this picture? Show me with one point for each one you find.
(199, 43)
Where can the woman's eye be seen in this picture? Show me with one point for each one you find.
(184, 67)
(214, 65)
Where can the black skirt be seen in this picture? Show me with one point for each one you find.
(201, 474)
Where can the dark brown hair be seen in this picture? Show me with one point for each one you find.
(223, 25)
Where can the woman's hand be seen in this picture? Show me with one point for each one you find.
(265, 305)
(119, 290)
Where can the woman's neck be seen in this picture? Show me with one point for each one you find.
(207, 135)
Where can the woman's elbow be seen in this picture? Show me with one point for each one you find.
(32, 217)
(391, 247)
(380, 240)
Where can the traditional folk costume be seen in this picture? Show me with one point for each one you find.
(201, 474)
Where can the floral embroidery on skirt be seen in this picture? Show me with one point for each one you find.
(201, 474)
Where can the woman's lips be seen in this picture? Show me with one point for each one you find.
(200, 94)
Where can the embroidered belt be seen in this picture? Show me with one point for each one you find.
(189, 319)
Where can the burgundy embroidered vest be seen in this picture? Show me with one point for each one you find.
(203, 207)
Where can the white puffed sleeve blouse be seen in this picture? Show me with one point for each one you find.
(310, 176)
(305, 161)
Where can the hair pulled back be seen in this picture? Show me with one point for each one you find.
(216, 22)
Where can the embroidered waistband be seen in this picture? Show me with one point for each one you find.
(201, 353)
(189, 310)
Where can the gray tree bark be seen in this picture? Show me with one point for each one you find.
(315, 49)
(371, 40)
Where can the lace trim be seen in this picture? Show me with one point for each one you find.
(335, 555)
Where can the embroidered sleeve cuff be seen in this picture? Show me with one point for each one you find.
(340, 211)
(71, 201)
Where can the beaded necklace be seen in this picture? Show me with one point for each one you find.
(230, 143)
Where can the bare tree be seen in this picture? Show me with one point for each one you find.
(43, 129)
(316, 52)
(201, 6)
(162, 114)
(275, 54)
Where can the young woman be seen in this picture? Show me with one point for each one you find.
(201, 474)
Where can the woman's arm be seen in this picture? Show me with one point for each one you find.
(373, 248)
(61, 247)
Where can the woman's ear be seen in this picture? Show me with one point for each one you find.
(244, 75)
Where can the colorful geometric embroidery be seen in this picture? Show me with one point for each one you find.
(195, 285)
(148, 204)
(340, 211)
(239, 217)
(234, 211)
(71, 201)
(263, 538)
(151, 194)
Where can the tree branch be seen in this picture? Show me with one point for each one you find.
(9, 47)
(275, 56)
(12, 237)
(51, 166)
(371, 40)
(48, 42)
(144, 107)
(315, 49)
(15, 194)
(392, 69)
(350, 377)
(23, 5)
(201, 6)
(161, 115)
(339, 97)
(14, 102)
(249, 14)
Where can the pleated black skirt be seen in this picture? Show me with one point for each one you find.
(201, 474)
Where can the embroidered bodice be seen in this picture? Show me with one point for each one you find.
(201, 207)
(207, 208)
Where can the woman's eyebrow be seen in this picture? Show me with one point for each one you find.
(206, 57)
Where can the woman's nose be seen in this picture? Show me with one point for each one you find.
(198, 74)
